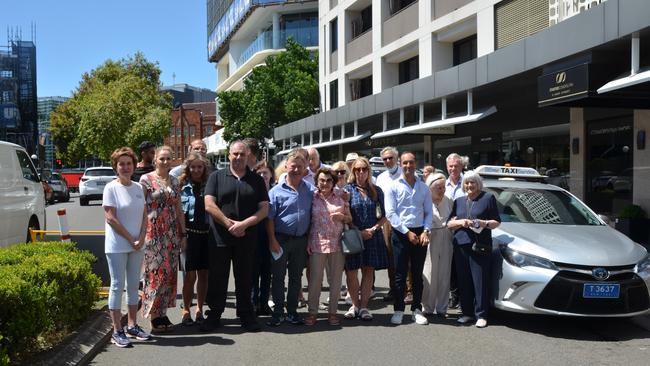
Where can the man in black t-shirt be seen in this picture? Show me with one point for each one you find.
(147, 150)
(236, 200)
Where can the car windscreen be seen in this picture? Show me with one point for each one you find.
(541, 206)
(100, 173)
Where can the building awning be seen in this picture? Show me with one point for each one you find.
(432, 128)
(624, 82)
(216, 144)
(342, 141)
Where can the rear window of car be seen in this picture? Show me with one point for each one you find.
(100, 173)
(56, 176)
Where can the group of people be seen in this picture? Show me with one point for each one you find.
(271, 225)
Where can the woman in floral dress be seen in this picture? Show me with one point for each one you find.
(164, 240)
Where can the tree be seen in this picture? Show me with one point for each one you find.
(282, 91)
(117, 104)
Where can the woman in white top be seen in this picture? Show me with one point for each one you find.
(437, 265)
(123, 202)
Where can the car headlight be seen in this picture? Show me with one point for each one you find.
(519, 259)
(643, 265)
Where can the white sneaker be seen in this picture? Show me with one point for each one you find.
(397, 317)
(464, 319)
(348, 299)
(419, 318)
(481, 323)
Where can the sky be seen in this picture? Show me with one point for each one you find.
(76, 36)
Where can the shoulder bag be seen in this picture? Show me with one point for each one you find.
(351, 241)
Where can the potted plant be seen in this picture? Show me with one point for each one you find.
(633, 222)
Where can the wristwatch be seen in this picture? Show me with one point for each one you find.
(427, 231)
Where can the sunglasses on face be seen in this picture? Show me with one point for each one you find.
(361, 170)
(340, 172)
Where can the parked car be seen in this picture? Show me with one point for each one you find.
(92, 183)
(553, 255)
(72, 178)
(59, 187)
(22, 202)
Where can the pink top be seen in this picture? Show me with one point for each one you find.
(324, 233)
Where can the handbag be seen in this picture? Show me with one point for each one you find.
(351, 241)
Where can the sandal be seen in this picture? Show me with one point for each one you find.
(199, 318)
(333, 320)
(352, 313)
(187, 320)
(158, 325)
(364, 314)
(310, 319)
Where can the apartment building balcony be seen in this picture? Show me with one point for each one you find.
(400, 23)
(307, 37)
(358, 47)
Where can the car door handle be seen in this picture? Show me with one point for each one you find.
(26, 189)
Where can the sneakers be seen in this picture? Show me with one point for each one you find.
(419, 318)
(397, 317)
(119, 339)
(275, 321)
(351, 313)
(137, 333)
(481, 323)
(348, 299)
(464, 319)
(364, 314)
(294, 319)
(453, 301)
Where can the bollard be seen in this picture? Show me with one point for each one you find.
(63, 225)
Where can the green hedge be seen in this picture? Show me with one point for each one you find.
(45, 288)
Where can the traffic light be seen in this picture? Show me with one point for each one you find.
(59, 163)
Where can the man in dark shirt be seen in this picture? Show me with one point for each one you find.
(147, 150)
(236, 200)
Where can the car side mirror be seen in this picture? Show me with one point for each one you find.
(606, 219)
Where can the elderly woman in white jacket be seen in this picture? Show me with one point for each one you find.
(437, 265)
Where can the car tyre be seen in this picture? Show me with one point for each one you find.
(66, 198)
(83, 201)
(33, 224)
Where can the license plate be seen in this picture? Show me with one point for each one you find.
(101, 184)
(601, 290)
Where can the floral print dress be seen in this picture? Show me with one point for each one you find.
(162, 244)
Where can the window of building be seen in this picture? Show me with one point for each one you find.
(334, 94)
(408, 70)
(192, 130)
(518, 19)
(171, 131)
(334, 35)
(397, 5)
(360, 88)
(6, 73)
(464, 50)
(302, 27)
(362, 23)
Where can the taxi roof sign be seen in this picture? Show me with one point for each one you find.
(508, 171)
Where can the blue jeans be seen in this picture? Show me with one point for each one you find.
(293, 260)
(473, 276)
(124, 267)
(403, 253)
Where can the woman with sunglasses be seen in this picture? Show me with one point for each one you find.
(329, 212)
(341, 170)
(367, 208)
(165, 238)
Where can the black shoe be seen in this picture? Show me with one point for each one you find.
(264, 309)
(453, 302)
(251, 325)
(275, 321)
(210, 324)
(389, 296)
(294, 319)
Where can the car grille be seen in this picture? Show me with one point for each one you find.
(564, 293)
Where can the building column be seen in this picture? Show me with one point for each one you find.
(577, 130)
(276, 30)
(641, 164)
(485, 34)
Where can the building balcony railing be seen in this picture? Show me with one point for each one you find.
(400, 23)
(307, 37)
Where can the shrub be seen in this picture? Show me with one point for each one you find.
(632, 212)
(45, 288)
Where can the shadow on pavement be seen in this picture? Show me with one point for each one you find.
(182, 339)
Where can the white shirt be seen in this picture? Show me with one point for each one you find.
(129, 209)
(385, 179)
(454, 191)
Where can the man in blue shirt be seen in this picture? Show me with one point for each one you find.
(453, 190)
(288, 226)
(409, 210)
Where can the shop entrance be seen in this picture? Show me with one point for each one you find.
(609, 162)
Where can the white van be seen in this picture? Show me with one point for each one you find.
(22, 201)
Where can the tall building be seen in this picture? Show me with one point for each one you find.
(18, 109)
(184, 93)
(45, 107)
(243, 33)
(558, 85)
(190, 121)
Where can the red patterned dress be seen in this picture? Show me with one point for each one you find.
(162, 244)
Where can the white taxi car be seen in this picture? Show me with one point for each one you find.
(553, 255)
(92, 183)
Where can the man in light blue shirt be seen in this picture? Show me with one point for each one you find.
(287, 227)
(453, 190)
(409, 210)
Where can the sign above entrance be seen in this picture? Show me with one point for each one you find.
(563, 86)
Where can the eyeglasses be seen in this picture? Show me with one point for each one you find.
(165, 159)
(388, 158)
(362, 169)
(341, 172)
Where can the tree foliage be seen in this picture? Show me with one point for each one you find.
(117, 104)
(282, 91)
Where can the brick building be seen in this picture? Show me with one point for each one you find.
(198, 121)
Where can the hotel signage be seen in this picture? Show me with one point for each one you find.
(563, 85)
